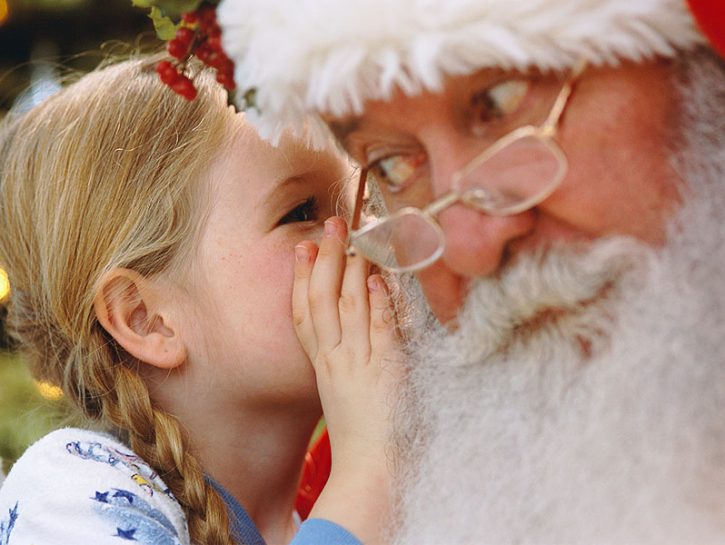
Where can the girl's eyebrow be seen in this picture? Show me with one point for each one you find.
(282, 184)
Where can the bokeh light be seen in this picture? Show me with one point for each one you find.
(4, 282)
(4, 12)
(49, 391)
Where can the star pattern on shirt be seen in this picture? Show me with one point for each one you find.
(128, 535)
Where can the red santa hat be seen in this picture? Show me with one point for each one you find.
(710, 15)
(305, 57)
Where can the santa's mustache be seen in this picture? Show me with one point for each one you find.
(551, 287)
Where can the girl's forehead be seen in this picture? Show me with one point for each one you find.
(249, 169)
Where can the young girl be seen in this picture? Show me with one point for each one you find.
(151, 243)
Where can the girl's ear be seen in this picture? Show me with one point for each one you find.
(128, 308)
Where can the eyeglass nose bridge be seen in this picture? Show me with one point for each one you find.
(478, 198)
(444, 201)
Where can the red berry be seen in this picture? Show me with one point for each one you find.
(167, 72)
(185, 35)
(214, 59)
(184, 87)
(207, 16)
(163, 66)
(227, 65)
(190, 17)
(215, 42)
(226, 79)
(177, 49)
(214, 30)
(220, 61)
(203, 51)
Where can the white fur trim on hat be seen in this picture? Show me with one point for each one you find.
(329, 56)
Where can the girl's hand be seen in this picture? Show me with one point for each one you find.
(345, 322)
(346, 325)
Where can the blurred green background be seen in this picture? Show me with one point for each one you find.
(39, 41)
(28, 410)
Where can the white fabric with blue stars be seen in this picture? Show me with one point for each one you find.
(77, 487)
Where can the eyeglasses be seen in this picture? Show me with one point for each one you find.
(514, 174)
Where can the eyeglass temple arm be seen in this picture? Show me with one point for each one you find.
(357, 211)
(561, 100)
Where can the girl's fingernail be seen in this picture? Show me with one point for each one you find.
(330, 228)
(302, 254)
(373, 283)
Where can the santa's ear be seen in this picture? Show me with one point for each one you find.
(128, 308)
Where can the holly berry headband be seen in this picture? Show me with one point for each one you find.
(190, 28)
(305, 57)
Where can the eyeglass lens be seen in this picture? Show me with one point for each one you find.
(513, 178)
(400, 241)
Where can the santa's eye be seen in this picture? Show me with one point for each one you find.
(397, 172)
(499, 100)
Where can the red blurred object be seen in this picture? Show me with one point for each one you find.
(710, 16)
(167, 72)
(190, 18)
(315, 473)
(177, 49)
(185, 87)
(185, 35)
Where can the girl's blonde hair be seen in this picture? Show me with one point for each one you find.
(101, 175)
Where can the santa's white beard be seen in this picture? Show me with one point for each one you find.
(601, 423)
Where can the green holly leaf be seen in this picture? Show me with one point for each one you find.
(166, 14)
(232, 99)
(174, 8)
(165, 27)
(250, 99)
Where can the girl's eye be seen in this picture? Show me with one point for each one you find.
(499, 100)
(307, 211)
(397, 172)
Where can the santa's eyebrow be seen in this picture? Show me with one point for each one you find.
(342, 129)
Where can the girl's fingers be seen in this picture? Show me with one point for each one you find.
(325, 283)
(305, 254)
(383, 336)
(354, 307)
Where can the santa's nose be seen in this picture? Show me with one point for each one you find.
(476, 242)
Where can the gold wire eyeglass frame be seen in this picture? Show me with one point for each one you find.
(475, 197)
